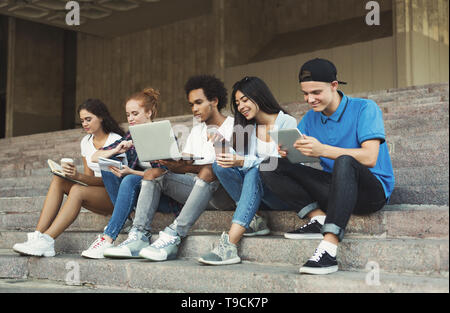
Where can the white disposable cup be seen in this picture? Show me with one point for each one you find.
(66, 161)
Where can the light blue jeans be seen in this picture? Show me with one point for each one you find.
(246, 189)
(194, 192)
(124, 193)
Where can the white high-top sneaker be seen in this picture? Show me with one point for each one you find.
(96, 249)
(30, 237)
(37, 245)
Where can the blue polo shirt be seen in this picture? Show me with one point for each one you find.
(355, 121)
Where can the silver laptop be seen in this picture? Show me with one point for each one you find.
(156, 141)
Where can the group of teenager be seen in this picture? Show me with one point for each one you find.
(346, 135)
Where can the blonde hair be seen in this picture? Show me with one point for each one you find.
(149, 98)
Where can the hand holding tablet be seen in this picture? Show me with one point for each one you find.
(285, 138)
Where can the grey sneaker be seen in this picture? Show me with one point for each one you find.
(164, 248)
(257, 227)
(130, 248)
(223, 254)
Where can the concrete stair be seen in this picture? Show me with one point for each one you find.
(407, 241)
(186, 275)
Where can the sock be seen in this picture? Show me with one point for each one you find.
(329, 247)
(319, 218)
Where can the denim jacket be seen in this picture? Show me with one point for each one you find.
(283, 121)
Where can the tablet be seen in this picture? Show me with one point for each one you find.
(105, 163)
(286, 138)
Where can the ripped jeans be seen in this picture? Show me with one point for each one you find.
(194, 192)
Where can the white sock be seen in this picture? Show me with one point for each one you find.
(329, 247)
(319, 218)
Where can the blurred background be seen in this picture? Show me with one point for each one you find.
(47, 68)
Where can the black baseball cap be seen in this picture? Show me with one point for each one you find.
(319, 70)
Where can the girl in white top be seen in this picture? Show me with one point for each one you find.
(102, 130)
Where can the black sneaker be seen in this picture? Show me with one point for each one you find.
(308, 231)
(320, 263)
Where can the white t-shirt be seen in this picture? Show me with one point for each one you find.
(197, 142)
(88, 149)
(266, 149)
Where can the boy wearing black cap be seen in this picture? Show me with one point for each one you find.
(347, 134)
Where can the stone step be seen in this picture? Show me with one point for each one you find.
(418, 256)
(21, 160)
(412, 147)
(414, 185)
(420, 176)
(407, 174)
(20, 285)
(432, 106)
(415, 125)
(187, 275)
(56, 138)
(390, 105)
(402, 106)
(435, 195)
(409, 194)
(408, 92)
(393, 221)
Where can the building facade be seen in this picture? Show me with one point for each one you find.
(47, 67)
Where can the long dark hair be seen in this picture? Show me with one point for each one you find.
(99, 109)
(257, 91)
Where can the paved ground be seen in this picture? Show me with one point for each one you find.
(41, 286)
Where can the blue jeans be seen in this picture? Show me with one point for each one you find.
(124, 193)
(194, 192)
(246, 189)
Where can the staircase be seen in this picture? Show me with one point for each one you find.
(402, 248)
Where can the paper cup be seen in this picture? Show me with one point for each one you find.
(66, 161)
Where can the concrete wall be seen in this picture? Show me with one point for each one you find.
(35, 78)
(365, 66)
(231, 41)
(252, 24)
(163, 57)
(421, 41)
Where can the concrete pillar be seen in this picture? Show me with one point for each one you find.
(421, 41)
(10, 75)
(219, 41)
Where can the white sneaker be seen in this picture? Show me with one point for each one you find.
(130, 248)
(37, 245)
(164, 248)
(96, 249)
(34, 235)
